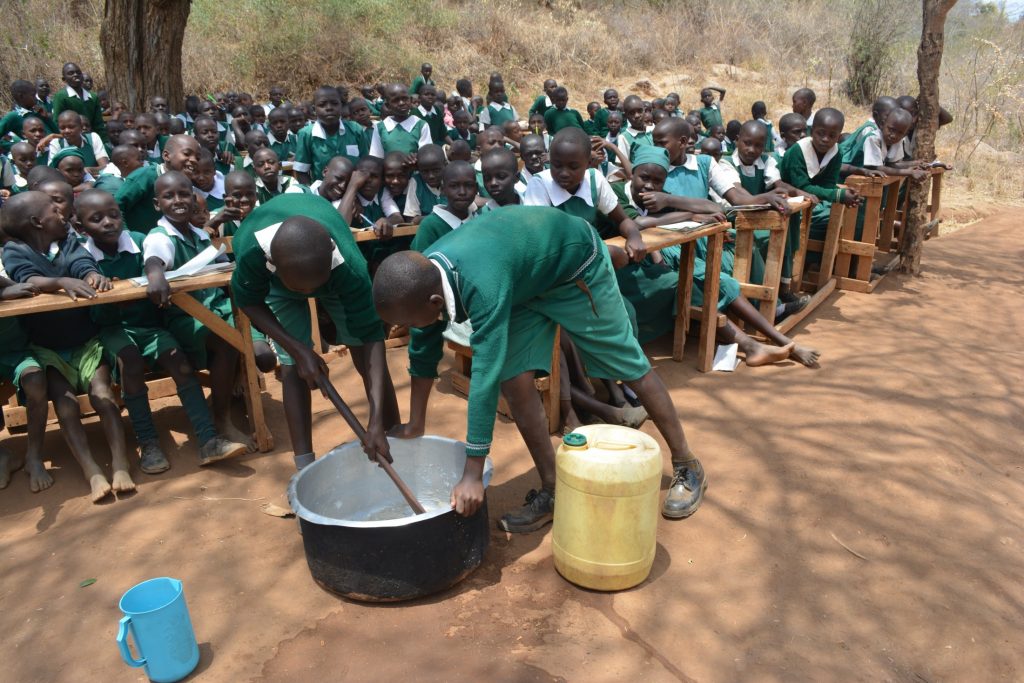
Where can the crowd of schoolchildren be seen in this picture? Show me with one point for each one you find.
(93, 192)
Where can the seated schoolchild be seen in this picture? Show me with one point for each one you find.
(241, 196)
(71, 163)
(94, 154)
(501, 177)
(296, 119)
(560, 115)
(459, 151)
(533, 152)
(423, 192)
(367, 203)
(135, 196)
(759, 112)
(399, 131)
(145, 124)
(431, 113)
(270, 182)
(462, 120)
(803, 104)
(207, 181)
(23, 159)
(124, 160)
(513, 133)
(34, 133)
(332, 185)
(458, 186)
(134, 337)
(636, 132)
(326, 138)
(206, 134)
(359, 112)
(498, 110)
(281, 139)
(168, 246)
(543, 101)
(43, 253)
(590, 123)
(397, 176)
(611, 104)
(792, 128)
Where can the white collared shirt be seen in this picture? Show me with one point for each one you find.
(217, 191)
(453, 221)
(90, 139)
(71, 93)
(721, 176)
(412, 200)
(811, 161)
(265, 236)
(377, 146)
(384, 198)
(125, 244)
(542, 190)
(770, 167)
(161, 246)
(777, 140)
(485, 115)
(446, 287)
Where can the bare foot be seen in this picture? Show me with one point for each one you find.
(9, 463)
(233, 433)
(38, 478)
(762, 354)
(406, 430)
(806, 356)
(632, 417)
(123, 481)
(100, 487)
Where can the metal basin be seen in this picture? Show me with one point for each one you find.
(361, 539)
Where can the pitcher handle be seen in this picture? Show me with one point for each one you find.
(122, 643)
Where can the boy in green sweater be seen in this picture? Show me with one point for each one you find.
(545, 269)
(560, 116)
(75, 96)
(281, 139)
(543, 101)
(135, 196)
(23, 94)
(432, 114)
(711, 111)
(292, 248)
(400, 131)
(327, 137)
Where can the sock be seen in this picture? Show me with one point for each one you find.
(194, 403)
(141, 416)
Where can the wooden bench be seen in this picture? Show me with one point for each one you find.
(860, 253)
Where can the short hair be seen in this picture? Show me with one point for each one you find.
(456, 167)
(430, 152)
(754, 128)
(791, 119)
(497, 154)
(560, 91)
(805, 93)
(829, 116)
(758, 109)
(42, 174)
(403, 278)
(18, 211)
(121, 153)
(375, 164)
(236, 177)
(572, 136)
(392, 158)
(21, 86)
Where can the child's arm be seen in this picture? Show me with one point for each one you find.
(720, 91)
(657, 202)
(795, 192)
(623, 159)
(16, 290)
(73, 287)
(512, 143)
(82, 266)
(228, 213)
(157, 257)
(349, 206)
(826, 190)
(867, 171)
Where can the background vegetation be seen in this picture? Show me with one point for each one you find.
(849, 51)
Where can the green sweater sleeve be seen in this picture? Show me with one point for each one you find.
(539, 106)
(490, 312)
(822, 186)
(426, 345)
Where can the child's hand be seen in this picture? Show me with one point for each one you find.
(872, 172)
(851, 198)
(159, 290)
(619, 257)
(409, 164)
(918, 174)
(635, 248)
(779, 202)
(19, 290)
(655, 202)
(226, 157)
(76, 288)
(809, 197)
(716, 217)
(468, 495)
(382, 229)
(5, 194)
(98, 282)
(358, 178)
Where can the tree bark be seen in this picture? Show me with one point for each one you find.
(141, 41)
(929, 61)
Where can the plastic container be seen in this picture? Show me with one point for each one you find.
(157, 618)
(606, 506)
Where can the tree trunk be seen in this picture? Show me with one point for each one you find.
(929, 60)
(141, 41)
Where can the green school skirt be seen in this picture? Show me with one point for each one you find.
(13, 365)
(152, 342)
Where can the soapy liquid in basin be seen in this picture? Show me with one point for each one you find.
(430, 503)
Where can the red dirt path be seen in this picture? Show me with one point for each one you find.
(906, 447)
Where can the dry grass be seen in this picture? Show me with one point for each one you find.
(758, 51)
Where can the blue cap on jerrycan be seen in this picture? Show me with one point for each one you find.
(574, 440)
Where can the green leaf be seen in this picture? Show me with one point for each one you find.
(87, 582)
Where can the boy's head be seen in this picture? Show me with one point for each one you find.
(694, 120)
(134, 138)
(614, 122)
(512, 130)
(560, 98)
(97, 215)
(674, 134)
(70, 125)
(827, 127)
(163, 122)
(732, 129)
(296, 119)
(500, 173)
(908, 103)
(592, 109)
(158, 104)
(460, 151)
(267, 165)
(301, 252)
(490, 137)
(114, 130)
(32, 129)
(537, 124)
(359, 111)
(881, 108)
(712, 147)
(650, 169)
(126, 158)
(462, 121)
(717, 131)
(396, 97)
(205, 130)
(276, 93)
(374, 170)
(531, 151)
(23, 156)
(200, 215)
(335, 178)
(707, 97)
(254, 140)
(86, 124)
(180, 153)
(172, 197)
(671, 103)
(396, 175)
(496, 91)
(430, 163)
(24, 94)
(174, 127)
(464, 87)
(240, 192)
(633, 108)
(277, 120)
(611, 98)
(42, 88)
(30, 212)
(72, 75)
(245, 99)
(657, 115)
(803, 102)
(570, 158)
(42, 174)
(897, 125)
(428, 96)
(145, 123)
(751, 141)
(759, 110)
(71, 163)
(426, 69)
(204, 175)
(87, 82)
(407, 290)
(60, 193)
(258, 115)
(792, 128)
(458, 185)
(240, 117)
(212, 109)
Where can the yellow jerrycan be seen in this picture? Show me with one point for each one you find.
(606, 506)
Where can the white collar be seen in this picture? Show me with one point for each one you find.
(629, 195)
(85, 93)
(636, 131)
(21, 110)
(174, 232)
(503, 105)
(368, 202)
(691, 162)
(112, 171)
(765, 122)
(318, 131)
(217, 192)
(390, 124)
(446, 287)
(453, 221)
(264, 237)
(425, 112)
(548, 102)
(558, 195)
(288, 136)
(125, 244)
(811, 157)
(54, 249)
(752, 168)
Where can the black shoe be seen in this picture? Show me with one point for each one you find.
(152, 460)
(788, 297)
(538, 511)
(795, 306)
(686, 492)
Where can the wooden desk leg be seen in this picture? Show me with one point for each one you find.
(936, 204)
(887, 228)
(796, 284)
(828, 253)
(869, 234)
(251, 377)
(555, 387)
(709, 312)
(683, 291)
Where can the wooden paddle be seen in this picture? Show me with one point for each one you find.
(325, 386)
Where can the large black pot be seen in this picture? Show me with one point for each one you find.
(391, 559)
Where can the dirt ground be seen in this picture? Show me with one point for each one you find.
(863, 522)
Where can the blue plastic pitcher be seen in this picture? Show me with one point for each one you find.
(157, 617)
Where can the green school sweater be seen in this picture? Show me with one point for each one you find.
(315, 148)
(710, 116)
(435, 123)
(852, 148)
(125, 265)
(349, 281)
(821, 184)
(285, 150)
(135, 197)
(12, 123)
(529, 250)
(89, 108)
(557, 119)
(601, 121)
(540, 105)
(418, 83)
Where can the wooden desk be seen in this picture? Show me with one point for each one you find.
(239, 337)
(876, 221)
(657, 239)
(887, 241)
(368, 235)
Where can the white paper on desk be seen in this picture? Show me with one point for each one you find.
(682, 226)
(193, 266)
(725, 358)
(796, 200)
